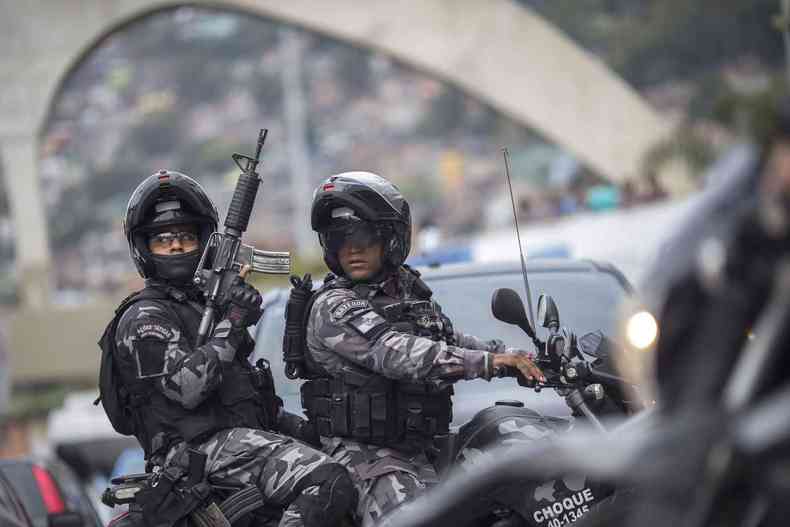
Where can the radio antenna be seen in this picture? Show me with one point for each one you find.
(506, 154)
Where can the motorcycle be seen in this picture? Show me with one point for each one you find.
(714, 451)
(582, 371)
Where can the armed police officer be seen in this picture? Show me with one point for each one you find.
(179, 398)
(380, 356)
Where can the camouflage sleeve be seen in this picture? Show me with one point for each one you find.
(157, 348)
(347, 326)
(476, 343)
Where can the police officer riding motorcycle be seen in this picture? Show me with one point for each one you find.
(209, 422)
(378, 354)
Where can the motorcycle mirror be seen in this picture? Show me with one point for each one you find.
(548, 314)
(507, 306)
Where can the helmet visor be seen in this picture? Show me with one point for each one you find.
(173, 212)
(358, 234)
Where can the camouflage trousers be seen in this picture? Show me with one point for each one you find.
(244, 456)
(384, 477)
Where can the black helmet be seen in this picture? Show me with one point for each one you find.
(353, 197)
(163, 199)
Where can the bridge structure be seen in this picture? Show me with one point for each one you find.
(497, 51)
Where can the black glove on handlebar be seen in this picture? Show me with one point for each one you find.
(244, 307)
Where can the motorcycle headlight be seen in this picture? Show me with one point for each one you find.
(641, 330)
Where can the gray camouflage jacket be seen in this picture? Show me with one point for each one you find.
(343, 327)
(152, 344)
(157, 347)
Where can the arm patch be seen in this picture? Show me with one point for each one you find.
(369, 324)
(149, 355)
(349, 306)
(153, 330)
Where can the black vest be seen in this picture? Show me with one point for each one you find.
(244, 398)
(369, 407)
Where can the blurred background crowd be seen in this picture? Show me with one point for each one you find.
(129, 108)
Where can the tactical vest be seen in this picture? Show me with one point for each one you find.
(244, 398)
(369, 407)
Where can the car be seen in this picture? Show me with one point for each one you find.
(589, 295)
(36, 493)
(80, 434)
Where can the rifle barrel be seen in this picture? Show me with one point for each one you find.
(261, 139)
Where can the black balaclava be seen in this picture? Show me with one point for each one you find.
(176, 269)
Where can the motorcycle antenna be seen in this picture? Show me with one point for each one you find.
(506, 154)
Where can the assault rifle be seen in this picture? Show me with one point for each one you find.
(225, 257)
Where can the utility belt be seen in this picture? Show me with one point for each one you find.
(373, 409)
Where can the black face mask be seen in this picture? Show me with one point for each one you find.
(176, 269)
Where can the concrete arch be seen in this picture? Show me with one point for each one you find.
(495, 50)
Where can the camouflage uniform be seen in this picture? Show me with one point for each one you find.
(345, 330)
(244, 456)
(151, 345)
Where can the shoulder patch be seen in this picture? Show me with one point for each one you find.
(369, 324)
(153, 330)
(348, 306)
(150, 354)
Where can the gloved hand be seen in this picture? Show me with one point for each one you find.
(515, 362)
(244, 304)
(294, 426)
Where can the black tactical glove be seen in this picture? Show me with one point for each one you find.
(244, 304)
(293, 425)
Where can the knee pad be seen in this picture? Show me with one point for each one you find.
(335, 497)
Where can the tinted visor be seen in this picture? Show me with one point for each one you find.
(359, 234)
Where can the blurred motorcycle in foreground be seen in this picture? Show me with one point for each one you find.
(715, 451)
